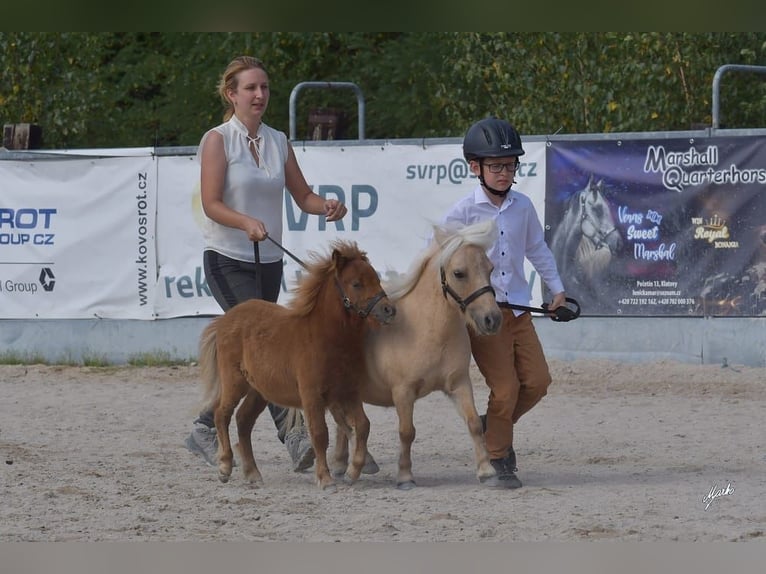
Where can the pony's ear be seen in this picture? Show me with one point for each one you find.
(443, 232)
(337, 258)
(439, 234)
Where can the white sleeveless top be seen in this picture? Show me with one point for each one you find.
(255, 190)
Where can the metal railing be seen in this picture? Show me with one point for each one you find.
(331, 86)
(717, 86)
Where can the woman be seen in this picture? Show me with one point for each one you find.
(245, 166)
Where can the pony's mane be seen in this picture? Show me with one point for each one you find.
(445, 241)
(320, 269)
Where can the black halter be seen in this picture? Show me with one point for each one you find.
(350, 305)
(463, 303)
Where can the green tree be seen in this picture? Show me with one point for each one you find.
(604, 82)
(51, 79)
(106, 89)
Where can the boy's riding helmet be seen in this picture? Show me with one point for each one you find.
(491, 137)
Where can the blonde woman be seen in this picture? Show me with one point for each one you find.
(245, 168)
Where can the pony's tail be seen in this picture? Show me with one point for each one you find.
(208, 362)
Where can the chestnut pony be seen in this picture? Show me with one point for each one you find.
(446, 291)
(308, 354)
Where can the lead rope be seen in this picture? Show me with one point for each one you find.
(294, 258)
(258, 275)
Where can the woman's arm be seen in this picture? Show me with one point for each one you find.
(306, 199)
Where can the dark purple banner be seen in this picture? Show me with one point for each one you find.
(660, 227)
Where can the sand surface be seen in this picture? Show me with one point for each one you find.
(627, 452)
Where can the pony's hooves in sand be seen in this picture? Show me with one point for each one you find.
(370, 466)
(407, 485)
(223, 477)
(329, 488)
(348, 480)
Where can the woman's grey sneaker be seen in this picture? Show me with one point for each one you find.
(203, 442)
(299, 446)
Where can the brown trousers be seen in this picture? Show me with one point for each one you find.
(516, 372)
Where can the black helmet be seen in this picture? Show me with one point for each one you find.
(491, 137)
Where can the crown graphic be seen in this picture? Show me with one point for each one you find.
(715, 222)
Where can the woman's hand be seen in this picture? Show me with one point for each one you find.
(334, 210)
(255, 229)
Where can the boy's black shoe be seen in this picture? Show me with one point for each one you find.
(506, 471)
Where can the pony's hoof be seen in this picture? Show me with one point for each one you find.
(348, 479)
(329, 488)
(223, 477)
(406, 485)
(370, 466)
(254, 480)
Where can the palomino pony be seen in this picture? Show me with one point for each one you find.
(427, 348)
(308, 354)
(586, 239)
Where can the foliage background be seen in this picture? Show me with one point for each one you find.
(112, 89)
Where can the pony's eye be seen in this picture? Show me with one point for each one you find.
(458, 274)
(356, 285)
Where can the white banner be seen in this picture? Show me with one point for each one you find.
(181, 286)
(394, 193)
(77, 238)
(100, 214)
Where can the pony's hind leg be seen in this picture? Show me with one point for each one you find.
(361, 434)
(222, 418)
(233, 388)
(462, 396)
(247, 414)
(342, 436)
(359, 428)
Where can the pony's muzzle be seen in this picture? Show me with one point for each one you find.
(384, 312)
(489, 322)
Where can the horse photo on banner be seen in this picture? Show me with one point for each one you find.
(668, 227)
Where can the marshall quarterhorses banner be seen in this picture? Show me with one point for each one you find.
(660, 227)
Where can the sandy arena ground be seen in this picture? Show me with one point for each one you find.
(626, 452)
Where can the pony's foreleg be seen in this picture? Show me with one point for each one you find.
(462, 396)
(405, 407)
(342, 436)
(361, 433)
(247, 414)
(314, 413)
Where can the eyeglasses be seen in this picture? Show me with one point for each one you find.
(498, 167)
